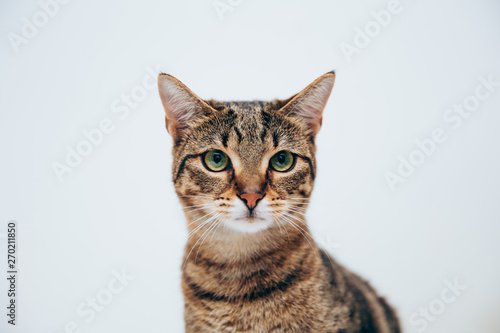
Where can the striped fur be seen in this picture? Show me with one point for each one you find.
(267, 274)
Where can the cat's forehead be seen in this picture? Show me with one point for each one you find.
(249, 120)
(249, 128)
(245, 106)
(249, 131)
(248, 116)
(247, 113)
(246, 109)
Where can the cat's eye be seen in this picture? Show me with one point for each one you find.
(215, 160)
(282, 161)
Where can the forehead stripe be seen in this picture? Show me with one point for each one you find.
(263, 135)
(225, 137)
(238, 133)
(275, 140)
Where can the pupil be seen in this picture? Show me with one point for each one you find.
(217, 158)
(281, 158)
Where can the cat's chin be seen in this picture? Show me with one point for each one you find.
(248, 225)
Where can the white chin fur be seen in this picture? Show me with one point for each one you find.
(247, 225)
(238, 217)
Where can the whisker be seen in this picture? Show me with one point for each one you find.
(280, 223)
(203, 237)
(194, 209)
(209, 213)
(274, 220)
(211, 229)
(293, 209)
(195, 196)
(296, 224)
(192, 248)
(195, 230)
(218, 225)
(300, 220)
(298, 202)
(297, 228)
(208, 204)
(202, 224)
(303, 221)
(307, 239)
(297, 207)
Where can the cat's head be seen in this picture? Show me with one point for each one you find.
(245, 166)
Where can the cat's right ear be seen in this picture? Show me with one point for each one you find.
(308, 105)
(181, 105)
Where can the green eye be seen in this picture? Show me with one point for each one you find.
(215, 160)
(282, 161)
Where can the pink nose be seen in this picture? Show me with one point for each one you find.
(251, 199)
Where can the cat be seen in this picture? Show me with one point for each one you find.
(244, 173)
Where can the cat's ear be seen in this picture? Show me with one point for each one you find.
(181, 105)
(308, 105)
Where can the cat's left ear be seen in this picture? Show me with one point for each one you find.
(308, 105)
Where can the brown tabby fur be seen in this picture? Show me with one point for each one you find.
(277, 279)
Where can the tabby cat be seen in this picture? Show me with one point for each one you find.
(244, 173)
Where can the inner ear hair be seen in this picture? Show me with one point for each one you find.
(308, 105)
(181, 105)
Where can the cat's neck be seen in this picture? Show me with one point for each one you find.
(237, 253)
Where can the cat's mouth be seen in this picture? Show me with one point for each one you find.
(250, 218)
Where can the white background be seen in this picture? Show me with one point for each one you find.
(117, 209)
